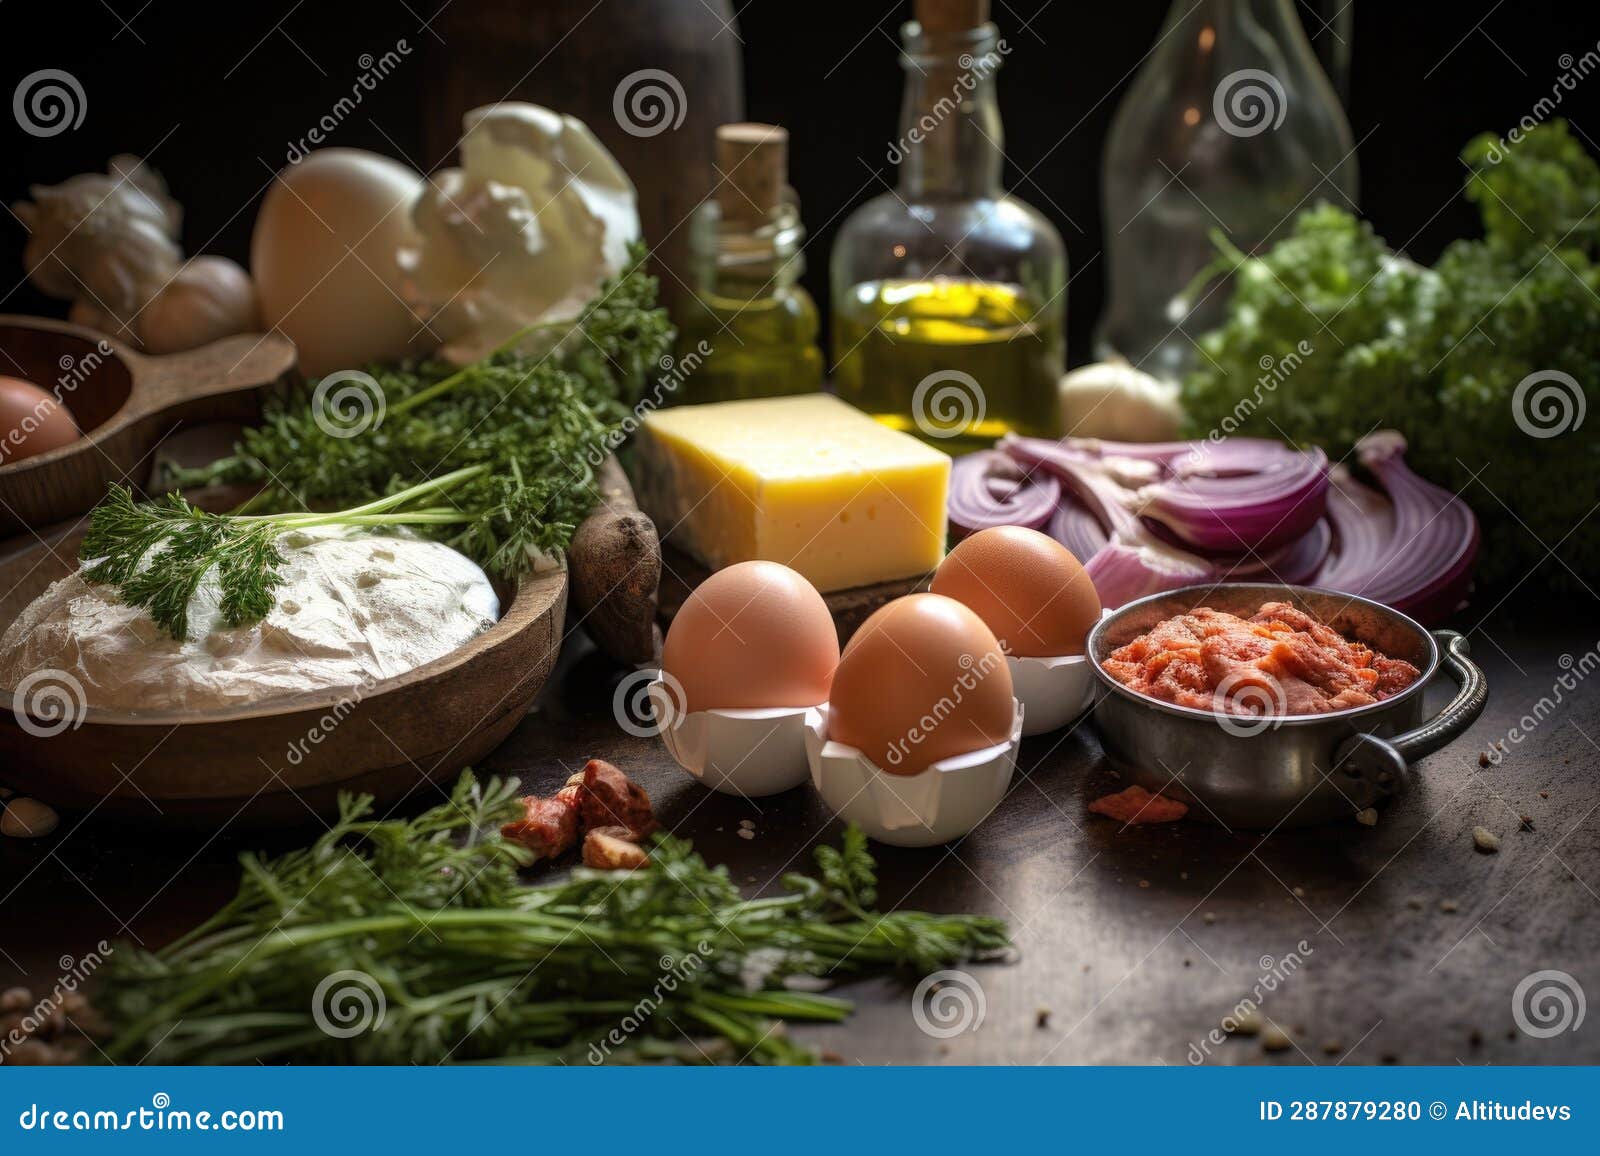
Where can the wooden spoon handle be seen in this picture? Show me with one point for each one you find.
(235, 364)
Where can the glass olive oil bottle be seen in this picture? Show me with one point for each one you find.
(750, 329)
(949, 294)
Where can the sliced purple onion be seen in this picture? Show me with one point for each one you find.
(1151, 517)
(989, 489)
(1413, 550)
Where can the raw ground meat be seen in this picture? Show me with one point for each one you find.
(1137, 805)
(1280, 661)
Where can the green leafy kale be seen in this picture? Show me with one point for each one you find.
(1439, 353)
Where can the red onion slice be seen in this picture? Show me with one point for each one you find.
(990, 489)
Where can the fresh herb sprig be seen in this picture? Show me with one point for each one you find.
(467, 963)
(495, 459)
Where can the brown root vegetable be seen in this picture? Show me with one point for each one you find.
(614, 567)
(610, 849)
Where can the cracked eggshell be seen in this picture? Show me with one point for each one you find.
(751, 753)
(538, 214)
(945, 801)
(325, 255)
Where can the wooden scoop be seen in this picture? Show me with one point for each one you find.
(125, 403)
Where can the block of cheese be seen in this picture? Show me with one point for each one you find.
(808, 481)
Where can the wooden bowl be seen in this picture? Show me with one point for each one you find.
(284, 760)
(125, 403)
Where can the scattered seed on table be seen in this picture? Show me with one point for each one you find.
(1209, 917)
(1275, 1039)
(1299, 892)
(748, 824)
(1332, 1047)
(1544, 794)
(1524, 822)
(1041, 1018)
(1368, 817)
(746, 833)
(1414, 903)
(1483, 758)
(1248, 1024)
(1485, 840)
(1448, 906)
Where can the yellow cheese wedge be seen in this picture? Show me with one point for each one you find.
(807, 481)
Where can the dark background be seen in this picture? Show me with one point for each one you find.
(212, 94)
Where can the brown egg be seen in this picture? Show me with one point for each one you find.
(31, 421)
(751, 636)
(1026, 586)
(922, 680)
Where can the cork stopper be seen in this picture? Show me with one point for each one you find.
(950, 17)
(753, 163)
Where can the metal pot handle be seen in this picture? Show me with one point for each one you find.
(1385, 763)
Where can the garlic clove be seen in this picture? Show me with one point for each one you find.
(208, 299)
(26, 818)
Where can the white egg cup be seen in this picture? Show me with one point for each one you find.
(942, 802)
(1053, 691)
(751, 753)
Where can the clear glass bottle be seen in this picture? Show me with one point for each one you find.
(1231, 123)
(949, 294)
(750, 329)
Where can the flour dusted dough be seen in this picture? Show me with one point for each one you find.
(354, 607)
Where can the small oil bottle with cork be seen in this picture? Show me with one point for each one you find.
(949, 294)
(750, 329)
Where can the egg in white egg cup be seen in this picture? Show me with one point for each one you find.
(944, 801)
(752, 753)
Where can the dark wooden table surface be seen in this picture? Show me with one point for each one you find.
(1395, 943)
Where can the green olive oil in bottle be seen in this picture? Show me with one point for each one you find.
(949, 294)
(750, 329)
